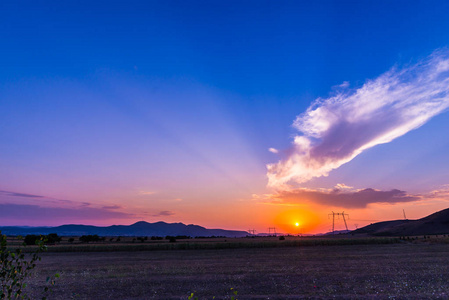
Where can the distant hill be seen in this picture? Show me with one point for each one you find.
(137, 229)
(336, 232)
(436, 223)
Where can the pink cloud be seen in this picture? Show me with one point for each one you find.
(356, 199)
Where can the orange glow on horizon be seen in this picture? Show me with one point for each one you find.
(297, 221)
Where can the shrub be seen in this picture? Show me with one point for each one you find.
(89, 238)
(31, 239)
(15, 268)
(52, 238)
(281, 238)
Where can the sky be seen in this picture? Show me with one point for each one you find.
(225, 114)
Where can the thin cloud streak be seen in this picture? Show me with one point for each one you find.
(164, 213)
(35, 213)
(337, 129)
(112, 207)
(13, 194)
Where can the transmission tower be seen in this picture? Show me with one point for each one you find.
(272, 229)
(333, 214)
(252, 231)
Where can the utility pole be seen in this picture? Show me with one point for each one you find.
(333, 214)
(272, 229)
(403, 210)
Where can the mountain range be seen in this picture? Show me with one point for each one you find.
(137, 229)
(436, 223)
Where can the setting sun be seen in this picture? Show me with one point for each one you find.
(295, 221)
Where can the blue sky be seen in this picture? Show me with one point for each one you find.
(171, 106)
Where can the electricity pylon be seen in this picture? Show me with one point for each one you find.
(333, 214)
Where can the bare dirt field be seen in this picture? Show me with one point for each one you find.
(400, 271)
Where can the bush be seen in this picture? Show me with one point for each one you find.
(50, 239)
(15, 268)
(89, 238)
(31, 239)
(281, 238)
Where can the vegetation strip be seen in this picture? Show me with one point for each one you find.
(107, 247)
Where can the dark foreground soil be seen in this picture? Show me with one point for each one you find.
(399, 271)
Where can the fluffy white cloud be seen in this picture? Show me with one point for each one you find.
(337, 129)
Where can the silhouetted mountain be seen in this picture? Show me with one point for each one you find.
(436, 223)
(137, 229)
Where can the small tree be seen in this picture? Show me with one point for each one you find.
(31, 239)
(53, 238)
(15, 268)
(89, 238)
(50, 239)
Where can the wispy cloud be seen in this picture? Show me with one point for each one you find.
(112, 207)
(338, 198)
(13, 194)
(164, 213)
(273, 150)
(442, 193)
(341, 186)
(147, 193)
(29, 214)
(23, 198)
(337, 129)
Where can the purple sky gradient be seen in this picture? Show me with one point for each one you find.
(116, 112)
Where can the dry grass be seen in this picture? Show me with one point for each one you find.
(400, 271)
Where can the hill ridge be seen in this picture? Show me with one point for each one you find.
(435, 223)
(140, 228)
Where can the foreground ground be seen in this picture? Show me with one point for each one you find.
(401, 271)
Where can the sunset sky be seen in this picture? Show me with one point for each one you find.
(226, 114)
